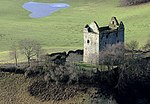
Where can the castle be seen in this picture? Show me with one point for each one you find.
(96, 38)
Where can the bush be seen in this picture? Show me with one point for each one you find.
(112, 55)
(132, 2)
(133, 83)
(12, 69)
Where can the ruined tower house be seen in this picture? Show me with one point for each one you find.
(96, 38)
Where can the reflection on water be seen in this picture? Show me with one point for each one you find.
(43, 9)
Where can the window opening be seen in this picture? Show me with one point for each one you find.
(116, 35)
(88, 41)
(106, 36)
(112, 22)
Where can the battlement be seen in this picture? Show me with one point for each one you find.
(114, 25)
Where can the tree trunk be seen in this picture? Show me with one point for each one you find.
(108, 67)
(16, 61)
(29, 61)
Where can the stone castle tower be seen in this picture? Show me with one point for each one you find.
(96, 38)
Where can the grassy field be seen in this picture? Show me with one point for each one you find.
(63, 30)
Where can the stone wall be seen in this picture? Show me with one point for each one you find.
(63, 57)
(75, 56)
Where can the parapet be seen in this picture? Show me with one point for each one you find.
(113, 26)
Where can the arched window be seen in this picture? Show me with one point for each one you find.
(117, 41)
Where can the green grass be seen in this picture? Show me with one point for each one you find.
(85, 65)
(65, 28)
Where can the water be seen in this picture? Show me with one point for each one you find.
(40, 10)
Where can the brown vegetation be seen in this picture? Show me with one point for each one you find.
(55, 92)
(133, 83)
(112, 55)
(132, 2)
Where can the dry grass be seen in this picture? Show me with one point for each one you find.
(13, 90)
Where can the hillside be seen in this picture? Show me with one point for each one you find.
(16, 87)
(63, 30)
(129, 85)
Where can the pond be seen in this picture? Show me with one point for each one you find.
(40, 10)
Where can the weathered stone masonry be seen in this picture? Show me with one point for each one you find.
(96, 38)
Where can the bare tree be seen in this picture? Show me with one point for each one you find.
(132, 46)
(14, 53)
(147, 46)
(112, 55)
(30, 48)
(38, 51)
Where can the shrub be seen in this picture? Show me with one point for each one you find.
(132, 2)
(133, 83)
(112, 55)
(147, 46)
